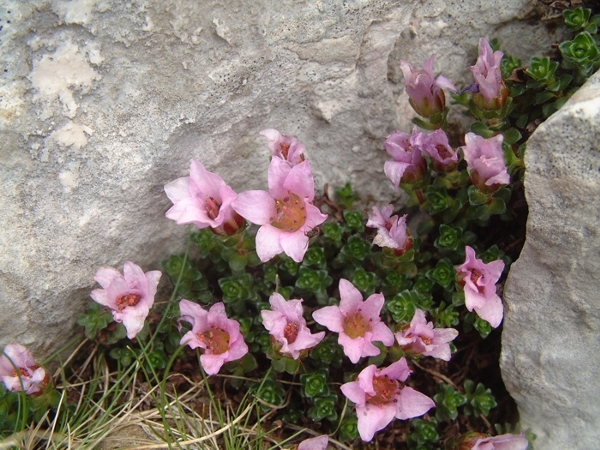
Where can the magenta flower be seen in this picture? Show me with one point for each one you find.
(285, 213)
(287, 326)
(420, 338)
(436, 146)
(391, 230)
(479, 281)
(357, 322)
(380, 395)
(479, 441)
(485, 161)
(19, 371)
(424, 91)
(203, 199)
(316, 443)
(408, 165)
(214, 332)
(130, 296)
(288, 148)
(492, 94)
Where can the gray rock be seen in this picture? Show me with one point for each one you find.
(105, 101)
(551, 336)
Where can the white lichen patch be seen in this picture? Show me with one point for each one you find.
(72, 134)
(74, 11)
(55, 75)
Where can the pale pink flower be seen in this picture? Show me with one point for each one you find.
(488, 76)
(203, 199)
(478, 441)
(436, 146)
(479, 281)
(391, 230)
(214, 332)
(380, 395)
(408, 165)
(485, 161)
(421, 338)
(287, 326)
(130, 296)
(19, 371)
(288, 148)
(285, 213)
(316, 443)
(425, 92)
(358, 322)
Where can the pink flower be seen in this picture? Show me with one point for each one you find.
(422, 339)
(485, 161)
(203, 199)
(425, 93)
(436, 146)
(130, 296)
(408, 165)
(479, 441)
(391, 230)
(285, 213)
(316, 443)
(493, 94)
(287, 326)
(357, 322)
(380, 395)
(19, 371)
(479, 281)
(288, 148)
(214, 332)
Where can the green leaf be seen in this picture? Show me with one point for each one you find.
(511, 136)
(476, 197)
(577, 18)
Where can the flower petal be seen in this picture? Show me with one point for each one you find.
(256, 206)
(267, 242)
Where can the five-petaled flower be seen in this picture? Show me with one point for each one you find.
(358, 322)
(285, 213)
(214, 332)
(391, 230)
(287, 326)
(436, 146)
(485, 161)
(420, 338)
(19, 371)
(479, 282)
(492, 92)
(203, 199)
(130, 296)
(316, 443)
(380, 395)
(425, 92)
(288, 148)
(408, 165)
(479, 441)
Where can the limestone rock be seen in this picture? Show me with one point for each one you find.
(551, 336)
(105, 101)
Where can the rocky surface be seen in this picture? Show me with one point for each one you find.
(551, 336)
(105, 101)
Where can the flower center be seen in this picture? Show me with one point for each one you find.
(356, 325)
(285, 148)
(213, 206)
(128, 300)
(385, 391)
(477, 275)
(291, 213)
(216, 340)
(24, 373)
(443, 151)
(290, 332)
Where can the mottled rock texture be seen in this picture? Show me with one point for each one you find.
(551, 337)
(105, 101)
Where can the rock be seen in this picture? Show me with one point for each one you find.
(551, 336)
(103, 102)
